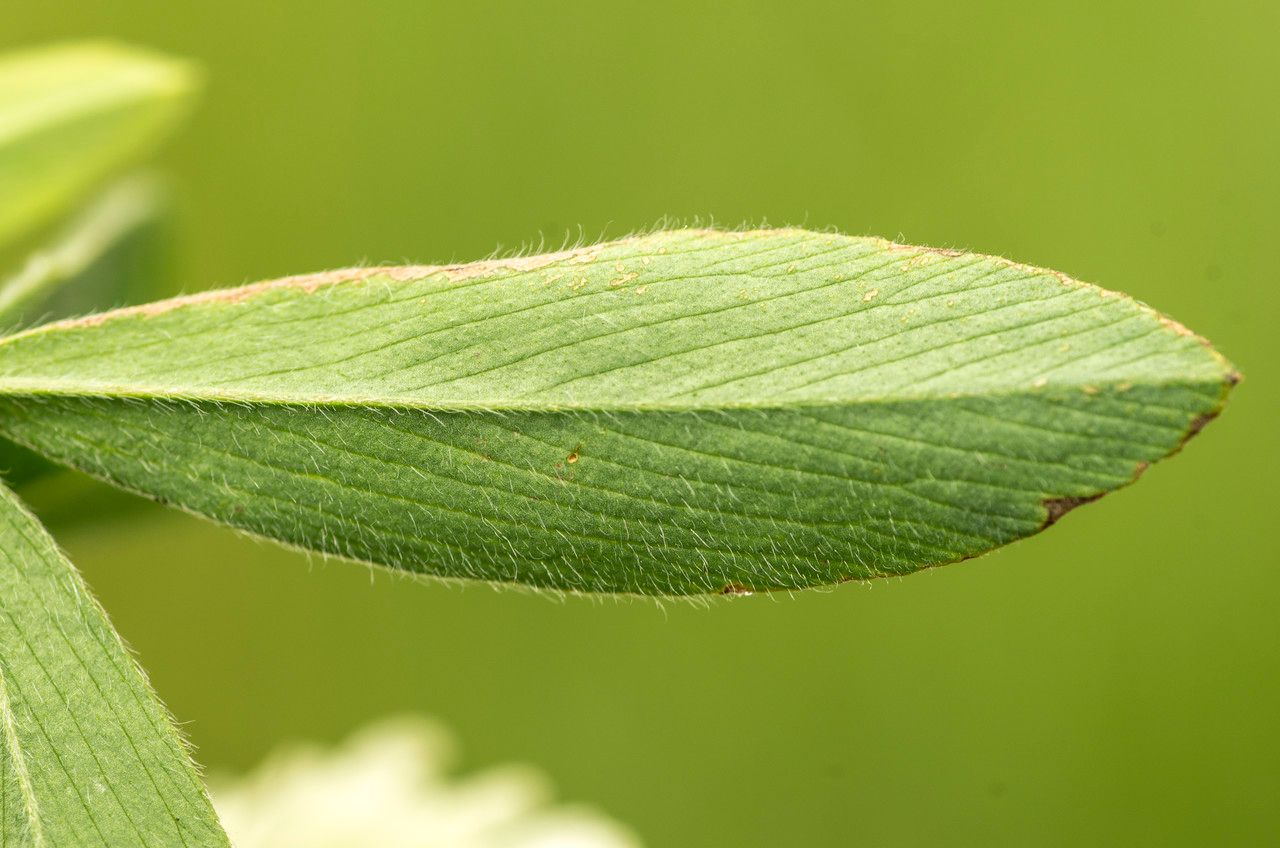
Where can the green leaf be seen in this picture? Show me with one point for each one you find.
(89, 236)
(678, 413)
(89, 756)
(72, 115)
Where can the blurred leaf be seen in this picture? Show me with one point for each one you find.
(137, 268)
(89, 756)
(72, 115)
(680, 413)
(115, 214)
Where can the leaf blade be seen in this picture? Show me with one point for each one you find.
(90, 756)
(71, 115)
(680, 413)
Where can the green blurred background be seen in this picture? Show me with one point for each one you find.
(1115, 681)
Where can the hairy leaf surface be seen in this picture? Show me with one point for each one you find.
(73, 114)
(89, 756)
(679, 413)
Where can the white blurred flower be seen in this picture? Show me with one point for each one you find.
(386, 787)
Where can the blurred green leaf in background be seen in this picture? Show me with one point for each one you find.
(72, 115)
(1113, 682)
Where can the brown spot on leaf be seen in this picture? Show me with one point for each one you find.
(1197, 424)
(736, 589)
(1055, 508)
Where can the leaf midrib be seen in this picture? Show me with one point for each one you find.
(13, 747)
(43, 388)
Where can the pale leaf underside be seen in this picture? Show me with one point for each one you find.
(680, 413)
